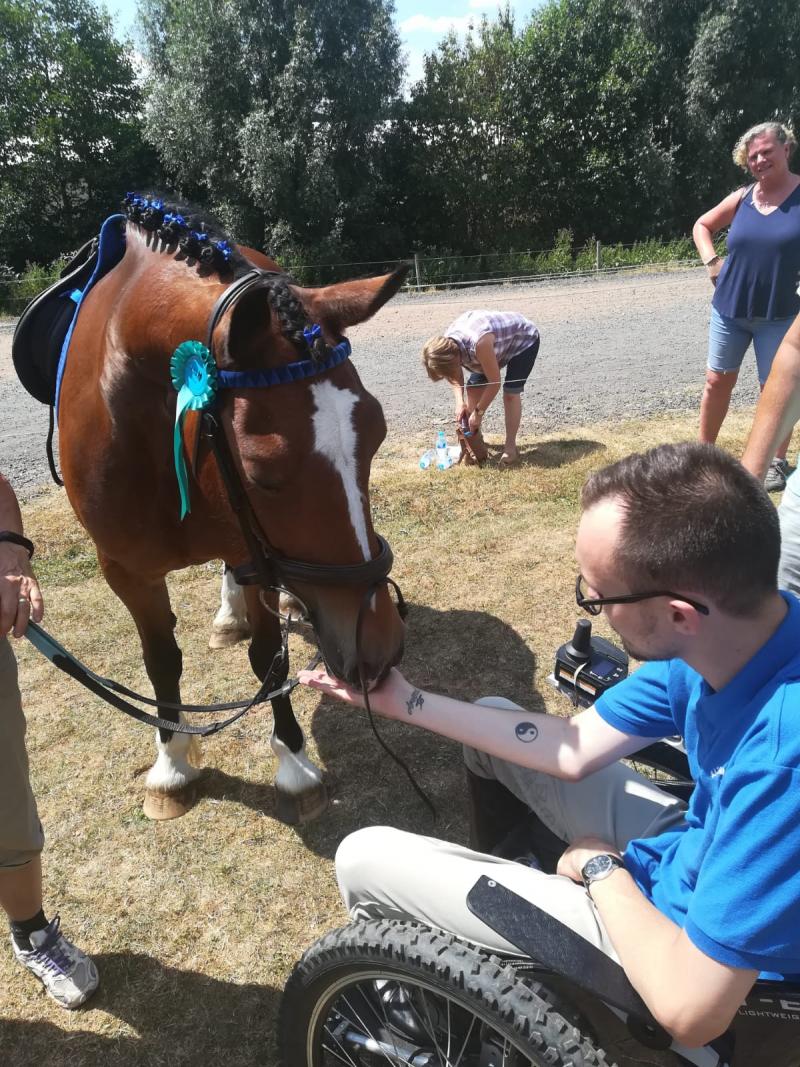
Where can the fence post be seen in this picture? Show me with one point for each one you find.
(417, 270)
(597, 255)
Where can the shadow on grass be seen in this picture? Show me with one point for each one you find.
(559, 453)
(463, 654)
(179, 1017)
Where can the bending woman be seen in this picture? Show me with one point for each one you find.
(482, 342)
(755, 298)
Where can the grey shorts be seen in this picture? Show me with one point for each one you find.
(21, 836)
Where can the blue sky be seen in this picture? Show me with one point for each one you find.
(422, 24)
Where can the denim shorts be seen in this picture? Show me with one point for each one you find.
(729, 339)
(517, 370)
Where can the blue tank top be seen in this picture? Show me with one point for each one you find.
(760, 276)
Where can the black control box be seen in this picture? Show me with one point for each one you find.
(587, 665)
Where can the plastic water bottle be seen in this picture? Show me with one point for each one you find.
(426, 459)
(443, 458)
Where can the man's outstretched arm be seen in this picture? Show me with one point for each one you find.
(779, 407)
(566, 748)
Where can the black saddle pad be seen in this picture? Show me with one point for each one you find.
(42, 327)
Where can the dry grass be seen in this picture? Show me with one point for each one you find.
(195, 923)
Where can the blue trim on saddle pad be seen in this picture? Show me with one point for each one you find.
(289, 372)
(111, 249)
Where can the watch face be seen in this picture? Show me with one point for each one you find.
(598, 867)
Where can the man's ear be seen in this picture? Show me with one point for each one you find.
(335, 307)
(686, 619)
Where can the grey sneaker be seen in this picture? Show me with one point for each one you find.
(777, 473)
(68, 975)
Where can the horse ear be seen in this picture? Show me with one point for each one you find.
(336, 307)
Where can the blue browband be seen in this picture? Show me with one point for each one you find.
(289, 372)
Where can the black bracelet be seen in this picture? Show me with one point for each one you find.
(17, 539)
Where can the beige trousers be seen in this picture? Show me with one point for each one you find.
(390, 873)
(21, 837)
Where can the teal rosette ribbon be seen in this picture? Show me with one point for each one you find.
(194, 375)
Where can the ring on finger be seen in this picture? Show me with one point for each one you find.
(23, 600)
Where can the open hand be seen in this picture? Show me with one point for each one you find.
(388, 698)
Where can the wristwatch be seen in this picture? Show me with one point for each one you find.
(17, 539)
(712, 261)
(598, 868)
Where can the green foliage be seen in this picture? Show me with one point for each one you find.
(69, 126)
(274, 113)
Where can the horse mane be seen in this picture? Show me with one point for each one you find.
(200, 237)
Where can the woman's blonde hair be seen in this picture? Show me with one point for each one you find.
(783, 134)
(440, 358)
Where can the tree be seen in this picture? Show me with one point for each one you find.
(275, 110)
(70, 136)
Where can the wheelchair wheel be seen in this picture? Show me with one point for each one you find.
(396, 994)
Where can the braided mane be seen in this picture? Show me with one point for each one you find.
(187, 228)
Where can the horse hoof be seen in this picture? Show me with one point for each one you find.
(227, 636)
(163, 806)
(298, 808)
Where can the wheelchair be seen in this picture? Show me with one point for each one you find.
(391, 993)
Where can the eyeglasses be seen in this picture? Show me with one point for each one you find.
(594, 605)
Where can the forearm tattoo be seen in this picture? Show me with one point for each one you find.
(526, 732)
(416, 700)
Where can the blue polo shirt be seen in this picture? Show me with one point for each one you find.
(730, 875)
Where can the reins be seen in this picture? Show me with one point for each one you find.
(113, 692)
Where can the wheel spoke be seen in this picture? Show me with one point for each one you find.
(467, 1036)
(433, 1029)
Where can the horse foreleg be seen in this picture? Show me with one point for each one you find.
(169, 790)
(230, 624)
(301, 793)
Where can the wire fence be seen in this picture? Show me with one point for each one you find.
(438, 271)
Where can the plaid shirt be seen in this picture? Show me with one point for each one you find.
(513, 333)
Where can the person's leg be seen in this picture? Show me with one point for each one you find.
(727, 344)
(21, 890)
(517, 372)
(391, 874)
(68, 975)
(789, 515)
(512, 403)
(767, 337)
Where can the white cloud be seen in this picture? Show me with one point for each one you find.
(441, 24)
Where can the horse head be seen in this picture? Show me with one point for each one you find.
(303, 451)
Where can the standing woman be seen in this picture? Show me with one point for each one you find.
(756, 283)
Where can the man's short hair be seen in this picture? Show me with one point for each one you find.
(694, 520)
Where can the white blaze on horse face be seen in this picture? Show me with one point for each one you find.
(335, 438)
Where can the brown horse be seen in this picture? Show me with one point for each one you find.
(302, 452)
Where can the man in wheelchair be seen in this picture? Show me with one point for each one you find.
(679, 546)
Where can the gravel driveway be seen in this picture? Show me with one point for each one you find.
(617, 346)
